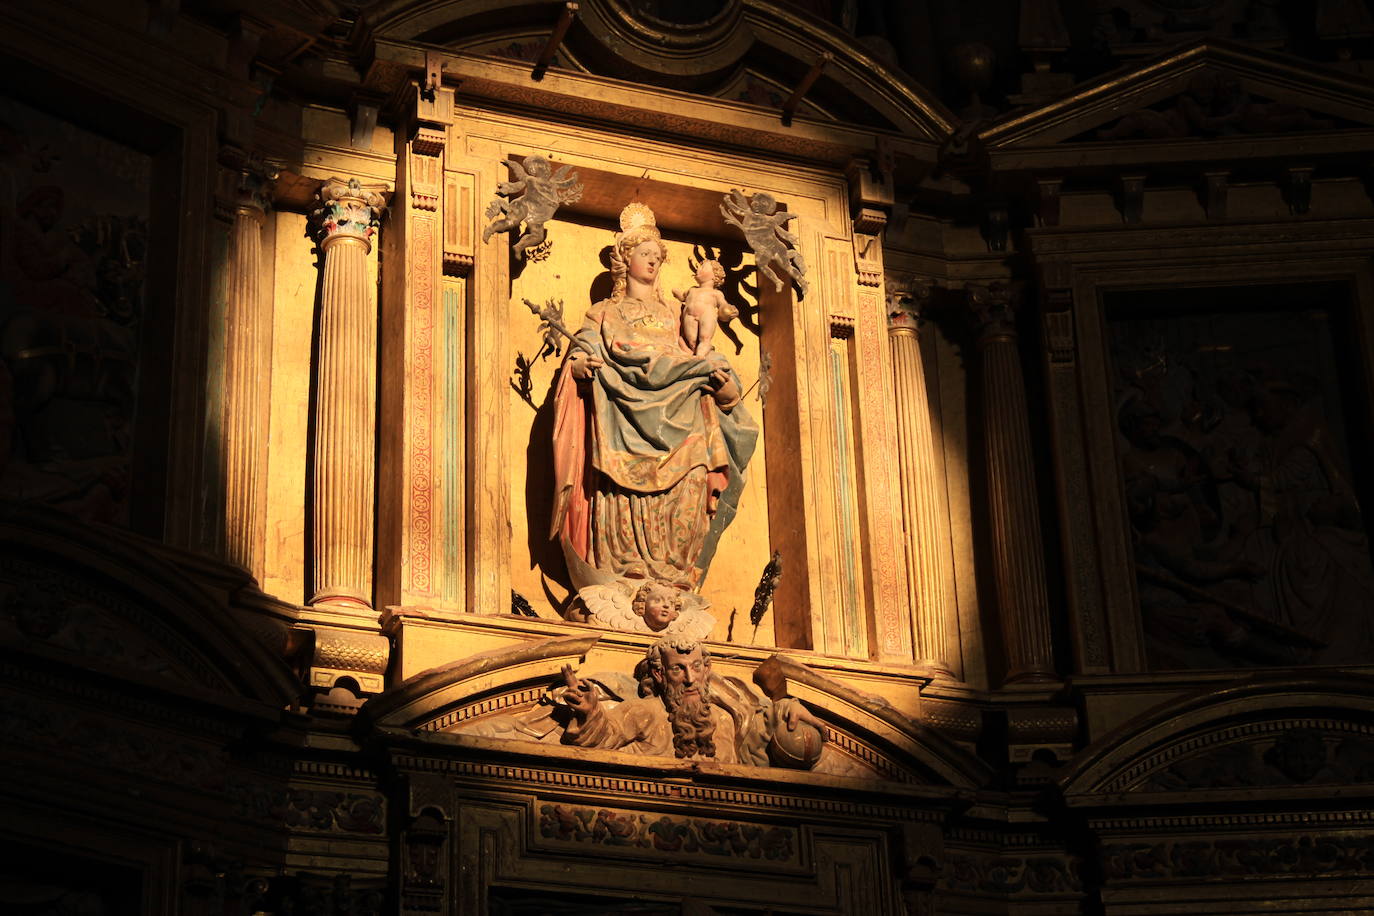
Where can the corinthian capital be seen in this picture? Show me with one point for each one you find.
(994, 310)
(348, 209)
(909, 298)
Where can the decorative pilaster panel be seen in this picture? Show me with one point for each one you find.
(411, 564)
(878, 451)
(1018, 556)
(248, 360)
(459, 221)
(931, 608)
(487, 479)
(1082, 570)
(345, 407)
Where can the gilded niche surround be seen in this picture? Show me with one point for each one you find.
(685, 188)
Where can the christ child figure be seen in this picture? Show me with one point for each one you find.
(658, 603)
(701, 307)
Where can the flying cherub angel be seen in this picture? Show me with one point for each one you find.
(764, 230)
(647, 606)
(543, 191)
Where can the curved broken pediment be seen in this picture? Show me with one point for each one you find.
(74, 593)
(1265, 734)
(511, 694)
(779, 45)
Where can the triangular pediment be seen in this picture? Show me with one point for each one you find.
(1212, 90)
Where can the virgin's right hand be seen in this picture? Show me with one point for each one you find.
(584, 367)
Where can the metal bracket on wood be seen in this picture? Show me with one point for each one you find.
(789, 108)
(560, 29)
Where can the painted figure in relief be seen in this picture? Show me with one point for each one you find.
(541, 191)
(765, 230)
(74, 210)
(675, 706)
(1249, 540)
(703, 307)
(684, 711)
(650, 440)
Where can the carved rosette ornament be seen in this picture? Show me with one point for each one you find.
(908, 298)
(1018, 553)
(345, 410)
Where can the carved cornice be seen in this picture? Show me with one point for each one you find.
(673, 785)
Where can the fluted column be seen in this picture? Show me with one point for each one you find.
(920, 494)
(248, 352)
(1018, 555)
(345, 405)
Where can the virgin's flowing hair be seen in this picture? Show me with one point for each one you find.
(620, 258)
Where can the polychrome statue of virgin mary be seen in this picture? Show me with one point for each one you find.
(650, 441)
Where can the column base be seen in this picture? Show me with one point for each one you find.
(335, 597)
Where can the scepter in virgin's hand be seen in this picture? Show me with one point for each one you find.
(551, 325)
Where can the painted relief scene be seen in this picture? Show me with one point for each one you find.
(1237, 418)
(73, 233)
(638, 391)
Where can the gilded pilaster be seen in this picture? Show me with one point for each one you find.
(930, 605)
(414, 565)
(248, 359)
(345, 407)
(870, 192)
(1018, 555)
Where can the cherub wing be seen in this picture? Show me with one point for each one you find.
(609, 606)
(695, 622)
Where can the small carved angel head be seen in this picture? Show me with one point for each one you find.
(709, 271)
(658, 603)
(763, 203)
(538, 166)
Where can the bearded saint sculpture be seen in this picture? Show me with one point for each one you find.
(685, 711)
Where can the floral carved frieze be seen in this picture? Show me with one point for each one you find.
(1000, 874)
(60, 733)
(312, 810)
(663, 833)
(1243, 857)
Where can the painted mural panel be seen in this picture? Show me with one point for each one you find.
(1239, 437)
(74, 210)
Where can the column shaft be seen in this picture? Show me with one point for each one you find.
(247, 345)
(345, 404)
(1017, 548)
(920, 498)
